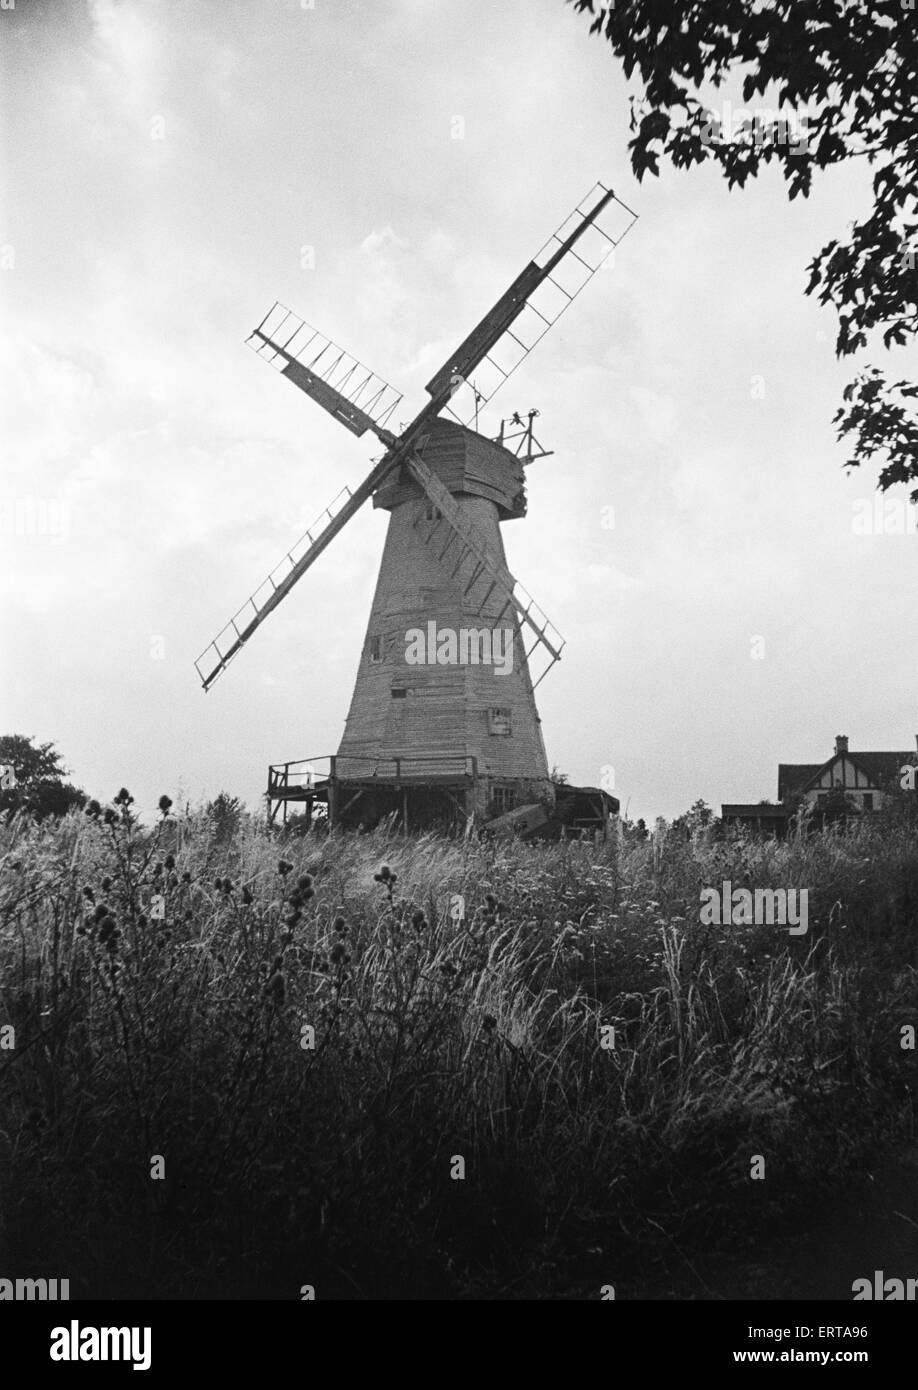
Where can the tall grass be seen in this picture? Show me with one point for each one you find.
(328, 1158)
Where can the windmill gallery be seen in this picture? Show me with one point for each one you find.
(429, 736)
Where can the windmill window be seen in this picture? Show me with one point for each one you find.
(868, 801)
(502, 800)
(399, 692)
(499, 721)
(431, 512)
(376, 651)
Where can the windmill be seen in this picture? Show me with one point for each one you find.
(443, 718)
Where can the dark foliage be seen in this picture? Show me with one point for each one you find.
(40, 788)
(853, 71)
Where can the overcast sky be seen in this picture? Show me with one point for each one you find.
(166, 162)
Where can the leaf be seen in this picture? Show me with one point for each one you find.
(850, 68)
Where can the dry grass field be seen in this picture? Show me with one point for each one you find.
(237, 1063)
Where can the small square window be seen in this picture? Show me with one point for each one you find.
(499, 721)
(399, 692)
(376, 650)
(431, 512)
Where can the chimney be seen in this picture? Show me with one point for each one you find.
(841, 743)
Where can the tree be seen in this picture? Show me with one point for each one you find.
(900, 802)
(837, 808)
(695, 818)
(39, 778)
(225, 813)
(636, 830)
(851, 71)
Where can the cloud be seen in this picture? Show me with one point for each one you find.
(383, 239)
(187, 468)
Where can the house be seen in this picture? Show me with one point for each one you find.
(866, 778)
(764, 819)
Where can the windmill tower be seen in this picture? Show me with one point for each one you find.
(443, 720)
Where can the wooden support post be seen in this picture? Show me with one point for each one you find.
(469, 814)
(405, 810)
(332, 794)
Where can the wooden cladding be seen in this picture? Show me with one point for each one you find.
(466, 463)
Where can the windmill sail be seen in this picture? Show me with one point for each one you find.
(358, 398)
(481, 565)
(532, 305)
(363, 401)
(215, 658)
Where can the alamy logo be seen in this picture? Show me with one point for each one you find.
(40, 1290)
(883, 516)
(75, 1343)
(470, 646)
(782, 907)
(754, 126)
(35, 516)
(885, 1290)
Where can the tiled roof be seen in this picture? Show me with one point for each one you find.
(793, 777)
(881, 768)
